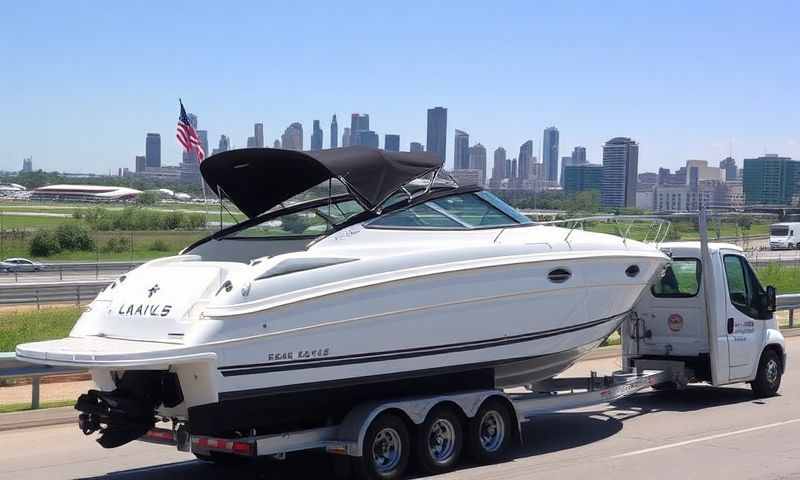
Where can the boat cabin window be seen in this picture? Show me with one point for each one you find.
(681, 279)
(464, 211)
(307, 223)
(744, 289)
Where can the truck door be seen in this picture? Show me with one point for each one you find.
(743, 316)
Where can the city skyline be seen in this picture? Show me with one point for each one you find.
(693, 85)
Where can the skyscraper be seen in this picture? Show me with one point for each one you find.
(334, 132)
(499, 165)
(224, 143)
(202, 135)
(513, 168)
(525, 156)
(770, 180)
(292, 138)
(582, 177)
(477, 160)
(550, 154)
(620, 173)
(579, 156)
(729, 165)
(258, 135)
(316, 137)
(416, 147)
(27, 165)
(437, 132)
(368, 138)
(141, 163)
(461, 150)
(346, 137)
(391, 143)
(152, 150)
(276, 143)
(358, 124)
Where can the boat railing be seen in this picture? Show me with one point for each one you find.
(656, 232)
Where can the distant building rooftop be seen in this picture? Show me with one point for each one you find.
(84, 193)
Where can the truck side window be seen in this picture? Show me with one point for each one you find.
(681, 279)
(743, 287)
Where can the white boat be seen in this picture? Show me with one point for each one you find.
(396, 282)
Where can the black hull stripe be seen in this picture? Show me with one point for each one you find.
(405, 353)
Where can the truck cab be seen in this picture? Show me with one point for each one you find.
(784, 236)
(712, 318)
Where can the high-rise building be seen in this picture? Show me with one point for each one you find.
(731, 172)
(334, 132)
(152, 150)
(461, 151)
(437, 132)
(391, 142)
(525, 156)
(359, 124)
(368, 138)
(499, 166)
(513, 168)
(582, 177)
(202, 135)
(416, 147)
(292, 138)
(579, 156)
(251, 142)
(223, 145)
(620, 173)
(550, 154)
(141, 163)
(564, 162)
(316, 137)
(477, 161)
(346, 137)
(276, 143)
(27, 165)
(698, 171)
(258, 135)
(770, 180)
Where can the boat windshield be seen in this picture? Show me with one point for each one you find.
(311, 222)
(460, 211)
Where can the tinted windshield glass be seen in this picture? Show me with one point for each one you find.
(310, 222)
(472, 210)
(466, 210)
(779, 231)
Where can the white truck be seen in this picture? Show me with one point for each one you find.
(784, 236)
(707, 320)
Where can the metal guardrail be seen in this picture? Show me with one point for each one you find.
(51, 270)
(49, 293)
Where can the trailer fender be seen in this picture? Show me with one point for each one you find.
(354, 427)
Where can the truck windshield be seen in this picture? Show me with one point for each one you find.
(779, 231)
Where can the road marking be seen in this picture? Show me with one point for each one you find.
(704, 439)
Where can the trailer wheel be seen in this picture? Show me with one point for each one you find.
(386, 449)
(490, 432)
(439, 441)
(768, 377)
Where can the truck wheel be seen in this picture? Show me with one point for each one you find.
(439, 441)
(768, 377)
(386, 449)
(490, 432)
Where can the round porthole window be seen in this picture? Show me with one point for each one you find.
(559, 275)
(632, 271)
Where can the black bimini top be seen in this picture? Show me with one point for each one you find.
(257, 179)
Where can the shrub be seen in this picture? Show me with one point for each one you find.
(44, 243)
(74, 237)
(117, 245)
(148, 198)
(159, 246)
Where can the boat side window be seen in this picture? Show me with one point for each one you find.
(744, 288)
(681, 279)
(300, 224)
(473, 211)
(419, 216)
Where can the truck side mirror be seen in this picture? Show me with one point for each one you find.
(771, 299)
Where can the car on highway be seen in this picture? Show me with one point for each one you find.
(10, 265)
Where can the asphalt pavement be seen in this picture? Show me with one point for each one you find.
(702, 432)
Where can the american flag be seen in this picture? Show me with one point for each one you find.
(187, 136)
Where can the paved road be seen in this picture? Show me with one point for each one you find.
(700, 433)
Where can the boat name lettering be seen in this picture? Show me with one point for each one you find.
(299, 354)
(144, 309)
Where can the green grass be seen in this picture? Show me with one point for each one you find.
(21, 407)
(35, 325)
(785, 279)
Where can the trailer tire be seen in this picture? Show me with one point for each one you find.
(768, 376)
(386, 449)
(439, 441)
(490, 432)
(223, 459)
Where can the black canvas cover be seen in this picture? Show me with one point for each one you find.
(257, 179)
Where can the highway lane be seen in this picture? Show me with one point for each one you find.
(699, 433)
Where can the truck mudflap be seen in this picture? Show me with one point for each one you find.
(128, 412)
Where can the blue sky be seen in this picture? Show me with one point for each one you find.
(83, 82)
